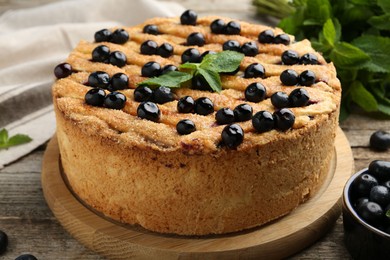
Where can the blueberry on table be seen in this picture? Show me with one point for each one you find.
(380, 140)
(189, 17)
(299, 97)
(165, 50)
(26, 257)
(232, 136)
(362, 185)
(308, 59)
(119, 81)
(191, 55)
(101, 54)
(255, 92)
(266, 36)
(163, 95)
(148, 47)
(185, 104)
(263, 121)
(380, 170)
(203, 106)
(3, 242)
(103, 35)
(151, 69)
(231, 45)
(282, 39)
(185, 127)
(62, 70)
(232, 28)
(290, 57)
(199, 82)
(117, 58)
(243, 112)
(99, 79)
(250, 49)
(119, 36)
(307, 78)
(224, 116)
(168, 68)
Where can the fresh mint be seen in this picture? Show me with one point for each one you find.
(209, 69)
(354, 35)
(388, 213)
(6, 141)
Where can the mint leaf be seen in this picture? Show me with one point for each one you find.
(345, 55)
(17, 139)
(388, 213)
(226, 61)
(172, 79)
(329, 32)
(378, 50)
(361, 96)
(190, 66)
(381, 22)
(385, 5)
(212, 77)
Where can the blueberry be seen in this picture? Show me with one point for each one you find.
(165, 50)
(289, 77)
(26, 257)
(254, 70)
(198, 82)
(95, 97)
(309, 59)
(266, 36)
(103, 35)
(250, 49)
(243, 112)
(190, 55)
(189, 17)
(149, 110)
(255, 92)
(371, 212)
(196, 38)
(151, 69)
(99, 79)
(232, 136)
(119, 36)
(185, 104)
(284, 119)
(380, 170)
(380, 194)
(63, 70)
(115, 100)
(150, 29)
(148, 47)
(224, 116)
(282, 39)
(299, 97)
(203, 106)
(232, 28)
(218, 26)
(387, 184)
(117, 58)
(290, 57)
(101, 53)
(119, 81)
(3, 242)
(185, 127)
(380, 140)
(280, 99)
(359, 202)
(143, 93)
(163, 95)
(168, 68)
(231, 45)
(362, 185)
(263, 121)
(307, 78)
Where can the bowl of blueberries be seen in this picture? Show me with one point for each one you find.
(366, 212)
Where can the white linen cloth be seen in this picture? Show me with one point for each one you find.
(34, 40)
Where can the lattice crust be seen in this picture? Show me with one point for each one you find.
(124, 125)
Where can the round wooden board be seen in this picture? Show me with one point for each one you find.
(278, 239)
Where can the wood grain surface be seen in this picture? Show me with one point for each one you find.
(32, 228)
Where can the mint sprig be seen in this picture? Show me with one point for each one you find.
(6, 141)
(355, 36)
(209, 69)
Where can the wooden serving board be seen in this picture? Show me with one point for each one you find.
(278, 239)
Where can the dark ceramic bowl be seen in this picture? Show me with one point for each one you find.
(362, 240)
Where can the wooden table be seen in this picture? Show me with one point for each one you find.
(32, 228)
